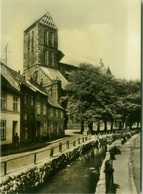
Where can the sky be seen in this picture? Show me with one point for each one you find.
(93, 29)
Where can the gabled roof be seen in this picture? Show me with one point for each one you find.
(73, 60)
(15, 80)
(34, 88)
(37, 88)
(55, 74)
(45, 20)
(76, 60)
(13, 77)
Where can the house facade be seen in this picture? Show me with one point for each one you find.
(10, 109)
(26, 109)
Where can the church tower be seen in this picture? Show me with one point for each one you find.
(41, 44)
(41, 56)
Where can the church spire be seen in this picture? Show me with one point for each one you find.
(101, 62)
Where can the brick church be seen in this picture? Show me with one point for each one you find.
(42, 57)
(38, 92)
(44, 63)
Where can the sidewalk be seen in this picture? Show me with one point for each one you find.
(125, 175)
(123, 168)
(32, 147)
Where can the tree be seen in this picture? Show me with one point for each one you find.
(129, 103)
(90, 96)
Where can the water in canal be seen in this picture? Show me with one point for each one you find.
(80, 176)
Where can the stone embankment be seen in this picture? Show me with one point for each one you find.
(36, 174)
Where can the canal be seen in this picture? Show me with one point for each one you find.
(80, 176)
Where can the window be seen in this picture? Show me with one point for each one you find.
(38, 108)
(51, 39)
(32, 100)
(51, 59)
(3, 100)
(46, 37)
(56, 113)
(51, 112)
(32, 41)
(28, 43)
(25, 98)
(44, 109)
(15, 101)
(26, 133)
(25, 116)
(46, 58)
(2, 129)
(61, 114)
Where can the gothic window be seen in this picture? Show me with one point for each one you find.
(46, 58)
(46, 37)
(2, 129)
(3, 100)
(32, 41)
(28, 43)
(52, 39)
(52, 59)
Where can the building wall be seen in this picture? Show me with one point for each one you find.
(35, 46)
(66, 69)
(47, 46)
(30, 51)
(55, 123)
(27, 114)
(11, 118)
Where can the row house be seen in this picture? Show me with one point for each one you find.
(28, 110)
(10, 107)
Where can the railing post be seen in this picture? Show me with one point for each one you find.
(5, 167)
(78, 140)
(83, 139)
(52, 152)
(60, 147)
(68, 144)
(34, 158)
(73, 143)
(109, 182)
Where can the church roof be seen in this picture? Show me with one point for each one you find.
(55, 74)
(77, 60)
(45, 20)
